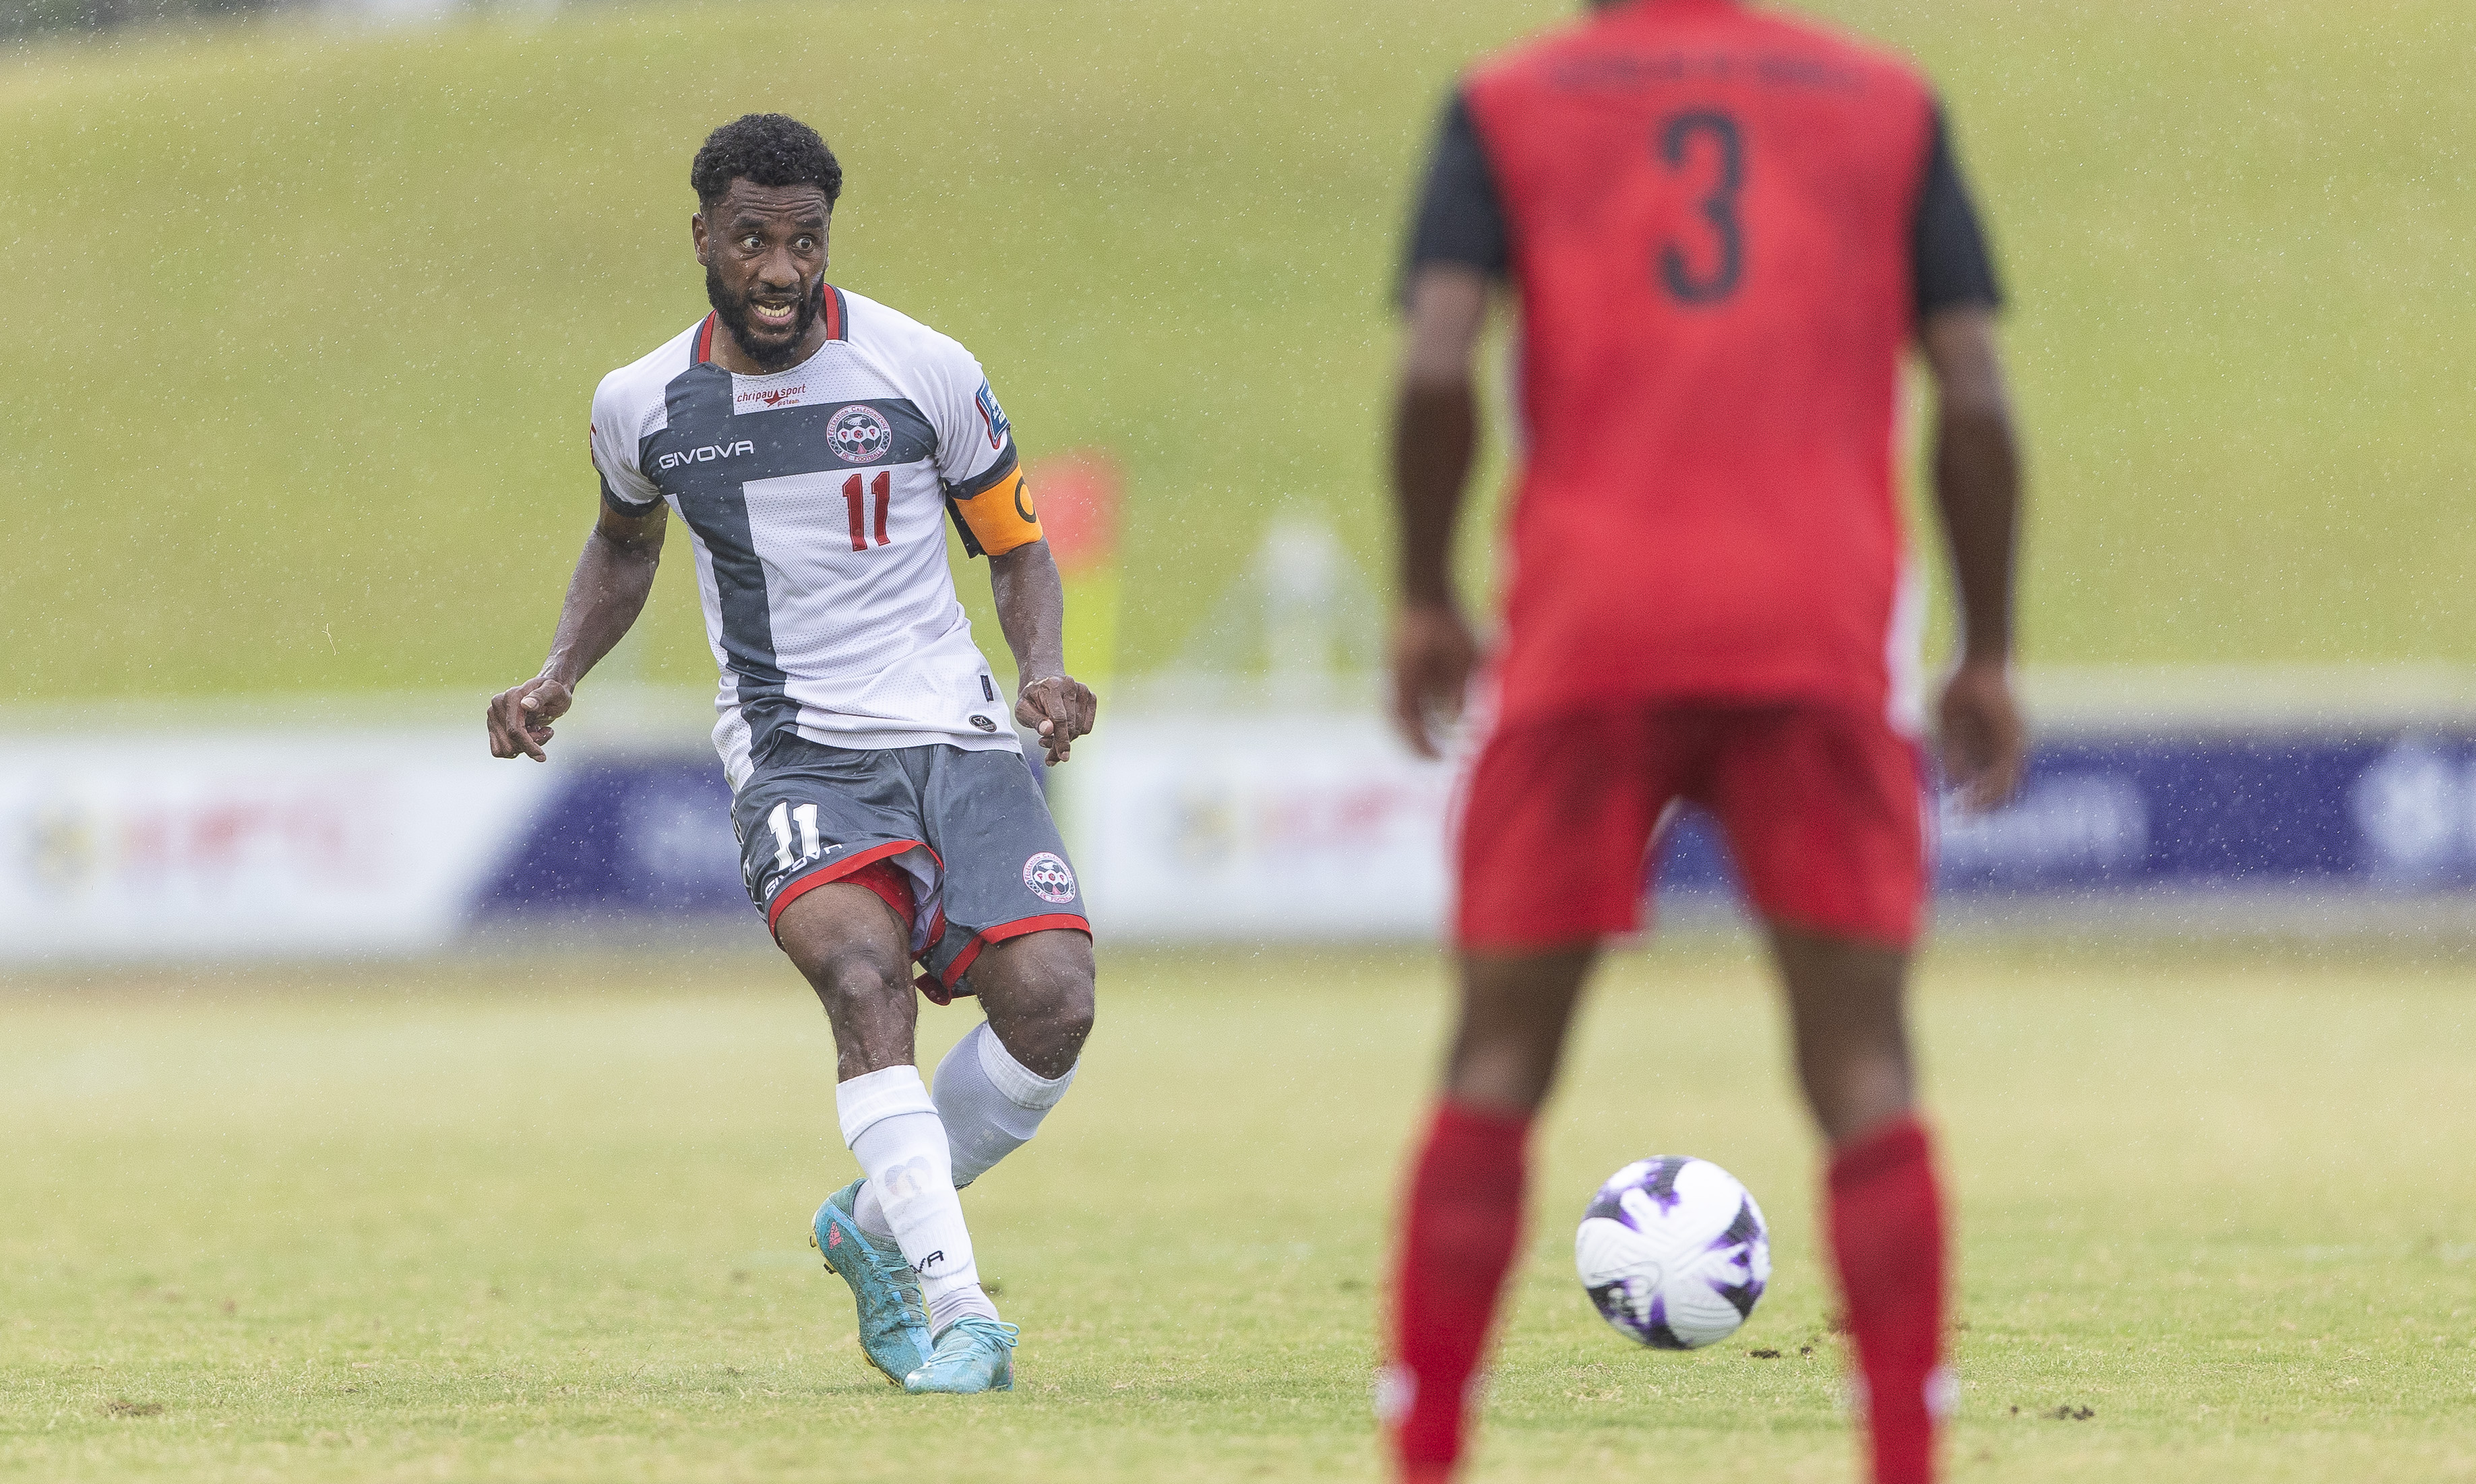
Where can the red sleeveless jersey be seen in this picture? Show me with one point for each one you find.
(1709, 213)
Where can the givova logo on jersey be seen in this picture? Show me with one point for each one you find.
(706, 455)
(860, 433)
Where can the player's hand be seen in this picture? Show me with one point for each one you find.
(1433, 653)
(520, 718)
(1060, 708)
(1982, 741)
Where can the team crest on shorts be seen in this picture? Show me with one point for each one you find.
(859, 435)
(1050, 878)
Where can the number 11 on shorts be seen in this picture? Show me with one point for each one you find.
(783, 819)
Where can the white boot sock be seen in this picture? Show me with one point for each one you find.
(893, 1128)
(870, 1213)
(992, 1104)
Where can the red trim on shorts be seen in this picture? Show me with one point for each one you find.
(1070, 921)
(893, 887)
(825, 876)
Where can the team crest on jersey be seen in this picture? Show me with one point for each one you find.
(859, 435)
(1050, 878)
(992, 417)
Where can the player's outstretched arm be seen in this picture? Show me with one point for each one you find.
(613, 577)
(1435, 432)
(1031, 610)
(1977, 494)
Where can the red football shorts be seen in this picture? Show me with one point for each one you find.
(1821, 808)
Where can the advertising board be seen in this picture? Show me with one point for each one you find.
(1303, 826)
(245, 844)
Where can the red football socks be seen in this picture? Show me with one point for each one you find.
(1887, 1237)
(1463, 1223)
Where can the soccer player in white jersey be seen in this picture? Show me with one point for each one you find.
(815, 443)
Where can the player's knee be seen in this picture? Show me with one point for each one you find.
(1061, 987)
(1852, 1090)
(1070, 1020)
(1048, 988)
(1504, 1071)
(855, 973)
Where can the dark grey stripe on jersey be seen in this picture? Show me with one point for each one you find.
(714, 444)
(712, 503)
(705, 457)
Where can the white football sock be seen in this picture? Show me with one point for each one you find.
(893, 1128)
(870, 1213)
(992, 1104)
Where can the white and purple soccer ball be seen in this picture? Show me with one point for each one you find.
(1675, 1252)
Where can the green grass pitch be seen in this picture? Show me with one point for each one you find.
(542, 1219)
(304, 319)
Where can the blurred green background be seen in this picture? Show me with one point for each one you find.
(306, 320)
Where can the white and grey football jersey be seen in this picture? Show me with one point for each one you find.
(816, 500)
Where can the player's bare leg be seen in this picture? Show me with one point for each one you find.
(1884, 1211)
(856, 954)
(1037, 990)
(1463, 1217)
(851, 949)
(1510, 1036)
(1847, 1009)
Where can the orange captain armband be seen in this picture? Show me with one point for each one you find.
(1000, 517)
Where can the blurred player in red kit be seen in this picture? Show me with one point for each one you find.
(1722, 229)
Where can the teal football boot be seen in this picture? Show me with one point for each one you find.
(893, 1321)
(974, 1354)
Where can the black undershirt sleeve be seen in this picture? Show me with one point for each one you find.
(1460, 218)
(1947, 246)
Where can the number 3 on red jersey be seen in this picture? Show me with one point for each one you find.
(1704, 273)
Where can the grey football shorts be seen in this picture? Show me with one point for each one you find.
(969, 828)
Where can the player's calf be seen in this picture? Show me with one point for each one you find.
(999, 1082)
(1462, 1220)
(1883, 1206)
(1847, 1009)
(991, 1102)
(894, 1130)
(1884, 1214)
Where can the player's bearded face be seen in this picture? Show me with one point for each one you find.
(767, 340)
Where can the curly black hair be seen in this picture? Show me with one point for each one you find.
(764, 149)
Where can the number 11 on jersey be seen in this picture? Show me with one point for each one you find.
(882, 488)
